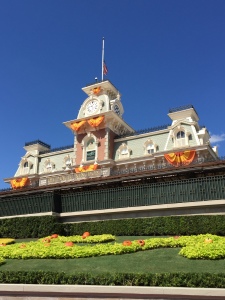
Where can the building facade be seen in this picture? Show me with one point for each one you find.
(104, 144)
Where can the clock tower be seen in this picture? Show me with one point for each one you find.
(98, 122)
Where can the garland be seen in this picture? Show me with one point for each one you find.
(19, 183)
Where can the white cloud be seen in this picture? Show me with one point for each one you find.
(215, 138)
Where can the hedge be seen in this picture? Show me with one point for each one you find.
(35, 227)
(156, 226)
(200, 280)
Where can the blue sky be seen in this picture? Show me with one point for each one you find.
(160, 54)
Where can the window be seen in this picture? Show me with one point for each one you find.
(180, 135)
(124, 151)
(49, 166)
(90, 155)
(25, 167)
(90, 148)
(180, 138)
(150, 147)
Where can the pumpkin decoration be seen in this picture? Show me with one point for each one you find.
(85, 234)
(208, 241)
(69, 244)
(54, 236)
(141, 242)
(127, 243)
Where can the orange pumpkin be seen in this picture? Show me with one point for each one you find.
(54, 236)
(208, 241)
(69, 244)
(127, 243)
(85, 234)
(141, 242)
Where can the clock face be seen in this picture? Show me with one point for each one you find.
(116, 109)
(92, 106)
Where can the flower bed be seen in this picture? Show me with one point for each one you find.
(60, 247)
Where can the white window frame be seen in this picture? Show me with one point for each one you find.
(86, 148)
(49, 166)
(179, 140)
(25, 167)
(124, 151)
(150, 145)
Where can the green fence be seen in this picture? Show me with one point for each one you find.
(26, 204)
(189, 190)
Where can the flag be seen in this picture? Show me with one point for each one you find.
(105, 69)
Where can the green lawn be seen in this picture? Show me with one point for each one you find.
(154, 261)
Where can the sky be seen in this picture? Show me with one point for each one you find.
(160, 54)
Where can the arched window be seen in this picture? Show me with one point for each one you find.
(49, 166)
(26, 168)
(180, 135)
(124, 151)
(180, 138)
(90, 148)
(150, 147)
(67, 162)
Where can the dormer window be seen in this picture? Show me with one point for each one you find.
(180, 135)
(49, 166)
(25, 166)
(67, 162)
(180, 138)
(150, 147)
(124, 151)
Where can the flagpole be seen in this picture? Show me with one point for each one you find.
(103, 41)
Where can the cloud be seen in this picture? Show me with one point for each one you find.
(215, 138)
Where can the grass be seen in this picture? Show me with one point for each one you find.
(153, 261)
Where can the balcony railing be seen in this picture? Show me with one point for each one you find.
(54, 178)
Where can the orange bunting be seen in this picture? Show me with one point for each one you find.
(97, 90)
(180, 158)
(86, 168)
(77, 125)
(19, 183)
(95, 122)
